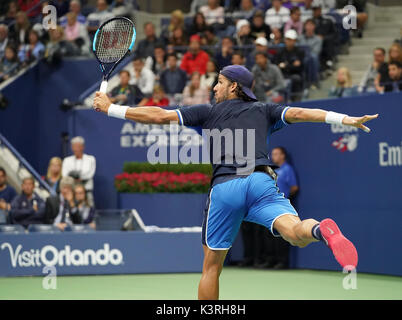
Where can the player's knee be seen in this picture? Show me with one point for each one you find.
(213, 269)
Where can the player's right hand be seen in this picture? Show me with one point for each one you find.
(101, 102)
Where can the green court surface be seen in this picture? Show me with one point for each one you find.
(236, 283)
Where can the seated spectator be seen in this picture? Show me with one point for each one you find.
(27, 208)
(95, 19)
(394, 81)
(194, 93)
(378, 68)
(179, 39)
(290, 61)
(395, 53)
(268, 79)
(246, 10)
(19, 31)
(343, 87)
(146, 46)
(31, 6)
(261, 45)
(124, 93)
(122, 8)
(75, 7)
(258, 26)
(307, 10)
(208, 38)
(142, 77)
(294, 22)
(80, 166)
(243, 34)
(195, 59)
(57, 47)
(3, 39)
(196, 5)
(262, 5)
(11, 14)
(277, 16)
(158, 98)
(61, 210)
(224, 56)
(214, 14)
(7, 194)
(85, 210)
(276, 40)
(199, 25)
(210, 78)
(53, 175)
(173, 79)
(32, 51)
(238, 58)
(312, 59)
(176, 21)
(76, 33)
(9, 64)
(157, 62)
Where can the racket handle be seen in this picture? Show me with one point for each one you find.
(103, 87)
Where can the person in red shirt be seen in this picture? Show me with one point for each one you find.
(158, 98)
(195, 59)
(26, 5)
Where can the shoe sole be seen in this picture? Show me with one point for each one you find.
(344, 251)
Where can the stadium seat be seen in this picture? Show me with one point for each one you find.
(12, 228)
(80, 228)
(43, 228)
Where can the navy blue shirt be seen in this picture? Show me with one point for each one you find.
(8, 194)
(261, 118)
(286, 178)
(22, 210)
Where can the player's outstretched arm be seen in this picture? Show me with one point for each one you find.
(151, 115)
(295, 114)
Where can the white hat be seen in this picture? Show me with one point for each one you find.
(241, 23)
(291, 34)
(261, 41)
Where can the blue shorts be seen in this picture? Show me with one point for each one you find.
(255, 198)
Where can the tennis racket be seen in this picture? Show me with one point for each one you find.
(113, 41)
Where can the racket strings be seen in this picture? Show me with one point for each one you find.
(113, 40)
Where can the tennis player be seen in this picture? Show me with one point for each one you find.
(254, 197)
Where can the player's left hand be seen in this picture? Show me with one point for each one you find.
(101, 102)
(357, 122)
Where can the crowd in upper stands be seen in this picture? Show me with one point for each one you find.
(72, 201)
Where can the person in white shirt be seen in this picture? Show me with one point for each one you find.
(80, 166)
(213, 13)
(277, 16)
(142, 77)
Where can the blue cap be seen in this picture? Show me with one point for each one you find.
(241, 75)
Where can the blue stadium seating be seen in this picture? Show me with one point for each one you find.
(81, 228)
(12, 228)
(43, 228)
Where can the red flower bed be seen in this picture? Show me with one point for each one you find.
(153, 182)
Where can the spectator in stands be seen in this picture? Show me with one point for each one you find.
(176, 21)
(238, 58)
(194, 93)
(76, 33)
(173, 79)
(277, 16)
(142, 77)
(199, 25)
(125, 93)
(9, 64)
(11, 14)
(246, 10)
(27, 208)
(31, 7)
(294, 22)
(80, 166)
(95, 19)
(276, 38)
(20, 30)
(75, 7)
(224, 56)
(197, 4)
(210, 78)
(261, 45)
(343, 87)
(290, 60)
(312, 59)
(306, 10)
(394, 83)
(268, 79)
(146, 46)
(214, 14)
(195, 59)
(157, 62)
(243, 34)
(262, 5)
(62, 6)
(7, 194)
(179, 39)
(395, 53)
(258, 26)
(377, 69)
(122, 7)
(208, 38)
(158, 98)
(3, 39)
(61, 210)
(57, 47)
(53, 175)
(32, 51)
(85, 210)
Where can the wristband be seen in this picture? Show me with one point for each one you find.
(334, 117)
(117, 111)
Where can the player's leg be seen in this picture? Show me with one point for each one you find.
(208, 288)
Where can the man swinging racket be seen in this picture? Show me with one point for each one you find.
(253, 197)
